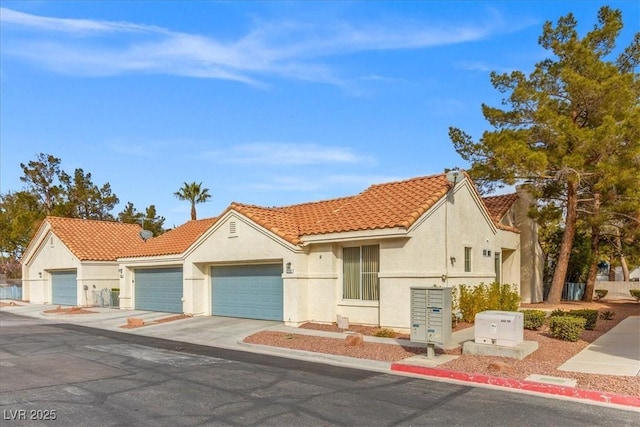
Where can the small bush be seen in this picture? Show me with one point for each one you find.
(635, 293)
(607, 315)
(558, 312)
(567, 328)
(482, 297)
(591, 317)
(601, 293)
(533, 319)
(385, 333)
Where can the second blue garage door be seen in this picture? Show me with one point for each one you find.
(249, 291)
(159, 289)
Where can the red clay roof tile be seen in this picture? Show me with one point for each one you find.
(389, 205)
(92, 240)
(172, 242)
(498, 206)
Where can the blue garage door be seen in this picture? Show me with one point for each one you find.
(159, 289)
(249, 291)
(64, 287)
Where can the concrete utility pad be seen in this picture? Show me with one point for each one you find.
(519, 351)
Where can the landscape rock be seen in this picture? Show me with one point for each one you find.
(134, 322)
(355, 340)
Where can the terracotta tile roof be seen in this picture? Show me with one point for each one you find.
(498, 206)
(389, 205)
(172, 242)
(92, 240)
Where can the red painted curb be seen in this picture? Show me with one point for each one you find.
(596, 396)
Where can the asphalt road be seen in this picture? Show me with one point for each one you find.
(70, 375)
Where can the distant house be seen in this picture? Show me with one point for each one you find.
(356, 256)
(68, 259)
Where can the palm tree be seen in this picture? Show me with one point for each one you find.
(194, 193)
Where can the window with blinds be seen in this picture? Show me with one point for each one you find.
(467, 259)
(361, 266)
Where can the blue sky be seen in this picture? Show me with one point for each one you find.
(267, 103)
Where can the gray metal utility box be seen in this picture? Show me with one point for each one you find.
(431, 315)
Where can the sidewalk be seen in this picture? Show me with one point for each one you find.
(229, 333)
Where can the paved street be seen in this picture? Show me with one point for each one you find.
(72, 375)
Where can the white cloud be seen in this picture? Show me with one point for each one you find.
(265, 153)
(75, 26)
(286, 49)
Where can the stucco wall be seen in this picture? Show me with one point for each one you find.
(424, 259)
(249, 244)
(52, 255)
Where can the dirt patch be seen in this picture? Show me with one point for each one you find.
(9, 304)
(69, 310)
(134, 325)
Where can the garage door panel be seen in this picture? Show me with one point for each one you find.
(159, 289)
(64, 287)
(251, 291)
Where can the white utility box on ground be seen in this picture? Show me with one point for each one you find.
(504, 328)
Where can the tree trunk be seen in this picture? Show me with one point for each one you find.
(595, 252)
(193, 211)
(612, 269)
(560, 272)
(623, 260)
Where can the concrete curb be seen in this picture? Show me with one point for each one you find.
(549, 389)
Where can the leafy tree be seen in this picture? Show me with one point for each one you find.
(20, 216)
(194, 193)
(571, 127)
(149, 220)
(85, 200)
(42, 177)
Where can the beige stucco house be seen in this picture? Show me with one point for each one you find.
(69, 261)
(355, 256)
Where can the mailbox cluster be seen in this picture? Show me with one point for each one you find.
(431, 315)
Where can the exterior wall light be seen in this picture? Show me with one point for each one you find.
(289, 269)
(453, 260)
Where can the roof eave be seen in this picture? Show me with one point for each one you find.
(374, 234)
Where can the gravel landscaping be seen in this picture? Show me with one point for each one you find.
(551, 353)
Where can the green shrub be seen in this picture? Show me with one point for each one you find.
(533, 319)
(601, 293)
(482, 297)
(607, 315)
(471, 302)
(567, 328)
(558, 312)
(591, 317)
(635, 293)
(385, 333)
